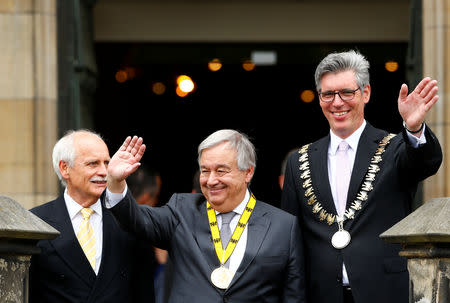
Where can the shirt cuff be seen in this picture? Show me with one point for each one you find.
(415, 142)
(112, 199)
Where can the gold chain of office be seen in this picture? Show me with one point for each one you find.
(363, 194)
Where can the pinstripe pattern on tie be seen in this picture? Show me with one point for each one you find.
(86, 236)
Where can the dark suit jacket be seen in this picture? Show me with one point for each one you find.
(62, 273)
(376, 272)
(271, 270)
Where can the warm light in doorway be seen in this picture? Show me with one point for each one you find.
(214, 65)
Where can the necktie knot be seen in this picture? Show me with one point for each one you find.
(227, 217)
(86, 213)
(343, 146)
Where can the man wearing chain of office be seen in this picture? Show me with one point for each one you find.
(355, 183)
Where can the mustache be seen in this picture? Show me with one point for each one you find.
(98, 179)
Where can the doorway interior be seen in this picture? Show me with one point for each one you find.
(264, 103)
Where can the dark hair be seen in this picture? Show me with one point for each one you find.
(144, 180)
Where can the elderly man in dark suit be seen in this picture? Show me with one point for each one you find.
(352, 185)
(227, 248)
(93, 259)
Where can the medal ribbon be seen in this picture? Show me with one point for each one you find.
(223, 257)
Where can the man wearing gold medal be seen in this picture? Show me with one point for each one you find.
(228, 247)
(352, 185)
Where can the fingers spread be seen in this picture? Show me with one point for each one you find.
(422, 85)
(125, 144)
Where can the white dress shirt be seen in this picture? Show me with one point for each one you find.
(353, 141)
(96, 220)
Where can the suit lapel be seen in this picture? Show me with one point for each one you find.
(110, 251)
(319, 173)
(368, 143)
(202, 234)
(258, 226)
(67, 245)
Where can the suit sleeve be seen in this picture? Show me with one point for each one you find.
(152, 223)
(294, 289)
(416, 164)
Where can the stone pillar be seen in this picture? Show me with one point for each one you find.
(425, 237)
(436, 64)
(28, 111)
(20, 230)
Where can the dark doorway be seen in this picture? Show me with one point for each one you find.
(263, 103)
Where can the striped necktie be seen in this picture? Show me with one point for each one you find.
(86, 237)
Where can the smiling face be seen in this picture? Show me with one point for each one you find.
(344, 117)
(86, 180)
(221, 181)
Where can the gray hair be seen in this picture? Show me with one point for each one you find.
(64, 150)
(246, 155)
(341, 62)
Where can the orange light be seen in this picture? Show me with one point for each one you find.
(248, 65)
(158, 88)
(214, 65)
(131, 72)
(183, 78)
(307, 96)
(121, 76)
(185, 83)
(391, 66)
(181, 93)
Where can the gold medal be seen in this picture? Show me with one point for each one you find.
(221, 277)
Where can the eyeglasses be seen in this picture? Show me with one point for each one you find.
(345, 95)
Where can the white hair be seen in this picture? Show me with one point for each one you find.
(246, 155)
(64, 150)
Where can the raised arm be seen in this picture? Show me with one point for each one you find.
(414, 107)
(125, 162)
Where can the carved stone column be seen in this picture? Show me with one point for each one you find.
(425, 236)
(20, 230)
(436, 64)
(28, 85)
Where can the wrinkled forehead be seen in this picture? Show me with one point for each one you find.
(218, 155)
(89, 145)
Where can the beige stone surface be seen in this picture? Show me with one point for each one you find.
(45, 138)
(47, 7)
(45, 56)
(16, 6)
(436, 64)
(16, 56)
(17, 132)
(28, 6)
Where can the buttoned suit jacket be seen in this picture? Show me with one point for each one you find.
(375, 270)
(271, 269)
(62, 273)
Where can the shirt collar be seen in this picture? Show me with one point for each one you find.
(74, 208)
(352, 140)
(241, 207)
